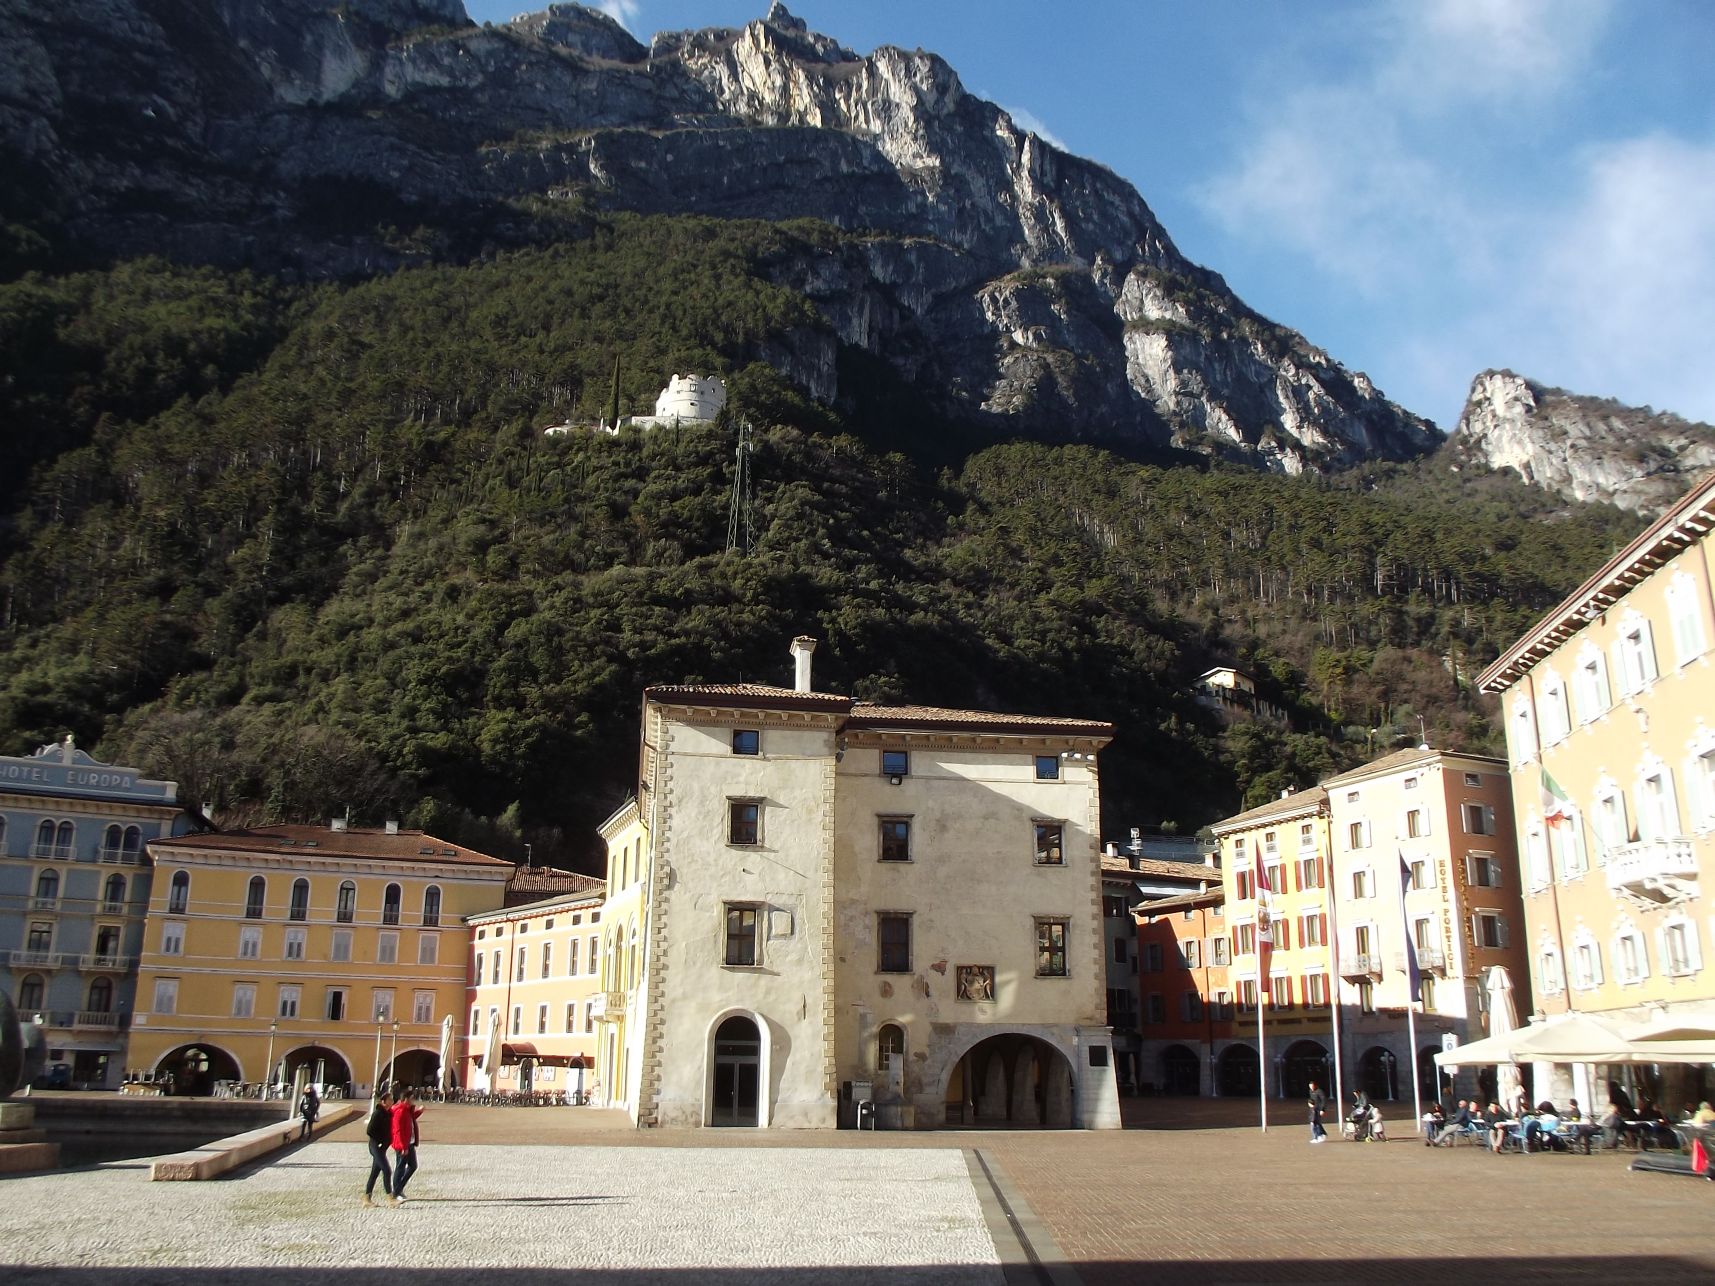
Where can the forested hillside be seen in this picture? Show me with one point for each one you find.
(305, 548)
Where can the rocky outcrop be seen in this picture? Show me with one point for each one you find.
(1583, 448)
(1014, 284)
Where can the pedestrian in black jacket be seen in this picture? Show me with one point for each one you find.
(379, 1128)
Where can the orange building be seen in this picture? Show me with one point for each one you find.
(1184, 957)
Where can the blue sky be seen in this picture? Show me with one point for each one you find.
(1424, 188)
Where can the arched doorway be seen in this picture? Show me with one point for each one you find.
(1011, 1079)
(1239, 1072)
(738, 1073)
(1180, 1071)
(327, 1068)
(1303, 1062)
(418, 1068)
(1376, 1073)
(195, 1068)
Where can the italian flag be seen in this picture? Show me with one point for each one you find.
(1556, 803)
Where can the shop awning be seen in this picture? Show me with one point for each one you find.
(517, 1051)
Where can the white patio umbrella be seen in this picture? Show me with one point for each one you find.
(446, 1072)
(1503, 1024)
(1576, 1038)
(491, 1058)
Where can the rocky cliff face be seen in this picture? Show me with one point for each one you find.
(1014, 284)
(1583, 448)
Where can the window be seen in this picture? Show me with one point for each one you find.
(1051, 948)
(890, 1047)
(179, 896)
(1702, 776)
(1422, 874)
(744, 817)
(1191, 954)
(345, 910)
(1479, 819)
(1114, 907)
(1426, 992)
(1244, 880)
(1276, 874)
(290, 997)
(255, 898)
(340, 946)
(1522, 732)
(100, 998)
(300, 905)
(547, 958)
(1313, 929)
(541, 1020)
(1220, 953)
(1309, 872)
(1366, 996)
(432, 906)
(40, 937)
(166, 996)
(1191, 1005)
(32, 990)
(1315, 991)
(1536, 857)
(1047, 768)
(1157, 1010)
(1280, 990)
(893, 942)
(1474, 779)
(519, 968)
(895, 839)
(1630, 956)
(387, 948)
(428, 948)
(422, 1006)
(1488, 929)
(494, 968)
(250, 942)
(589, 1016)
(1358, 835)
(243, 999)
(1223, 1005)
(1685, 612)
(1306, 837)
(391, 897)
(113, 895)
(1586, 964)
(746, 741)
(1553, 717)
(518, 1020)
(1120, 953)
(571, 1017)
(742, 924)
(594, 961)
(1482, 871)
(1417, 823)
(1551, 971)
(1050, 844)
(895, 763)
(1151, 955)
(1658, 809)
(47, 890)
(1363, 883)
(173, 938)
(572, 958)
(1247, 995)
(1244, 939)
(1634, 654)
(1679, 953)
(1590, 685)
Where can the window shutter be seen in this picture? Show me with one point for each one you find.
(1595, 965)
(1646, 651)
(1617, 650)
(1501, 927)
(1693, 952)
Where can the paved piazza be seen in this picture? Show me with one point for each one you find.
(515, 1196)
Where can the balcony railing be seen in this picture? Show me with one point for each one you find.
(121, 856)
(113, 908)
(1363, 964)
(1429, 960)
(23, 958)
(608, 1004)
(57, 852)
(45, 904)
(86, 1020)
(1655, 871)
(107, 963)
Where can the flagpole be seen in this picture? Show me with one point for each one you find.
(1334, 976)
(1416, 1089)
(1261, 1054)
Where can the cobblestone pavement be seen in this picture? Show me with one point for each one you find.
(509, 1212)
(1198, 1195)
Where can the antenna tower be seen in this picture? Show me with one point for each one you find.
(739, 532)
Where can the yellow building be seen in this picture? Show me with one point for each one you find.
(1423, 846)
(531, 1003)
(1609, 702)
(618, 1062)
(1289, 838)
(336, 949)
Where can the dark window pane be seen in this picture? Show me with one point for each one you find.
(746, 741)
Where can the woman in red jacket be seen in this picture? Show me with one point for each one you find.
(405, 1114)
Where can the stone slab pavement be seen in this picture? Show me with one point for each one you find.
(1198, 1194)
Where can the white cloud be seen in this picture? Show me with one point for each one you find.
(1028, 120)
(624, 12)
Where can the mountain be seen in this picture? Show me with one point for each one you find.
(1019, 290)
(1581, 448)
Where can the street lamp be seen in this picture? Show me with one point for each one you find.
(375, 1068)
(393, 1059)
(268, 1068)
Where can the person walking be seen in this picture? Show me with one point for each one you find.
(404, 1131)
(309, 1108)
(1318, 1103)
(379, 1128)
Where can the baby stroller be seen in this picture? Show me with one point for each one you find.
(1358, 1124)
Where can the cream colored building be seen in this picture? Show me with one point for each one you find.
(1423, 846)
(623, 957)
(844, 902)
(337, 949)
(1609, 702)
(534, 975)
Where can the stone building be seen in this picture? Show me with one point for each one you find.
(837, 901)
(74, 888)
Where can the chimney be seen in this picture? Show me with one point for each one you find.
(802, 648)
(336, 823)
(392, 828)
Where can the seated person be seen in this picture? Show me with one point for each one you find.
(1456, 1124)
(1572, 1113)
(1434, 1120)
(1704, 1115)
(1542, 1123)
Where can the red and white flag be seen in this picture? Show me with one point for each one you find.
(1264, 925)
